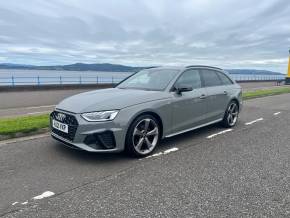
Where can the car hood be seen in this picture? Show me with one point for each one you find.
(108, 99)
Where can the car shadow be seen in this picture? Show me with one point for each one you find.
(189, 137)
(85, 156)
(186, 138)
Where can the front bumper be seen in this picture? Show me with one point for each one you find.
(89, 136)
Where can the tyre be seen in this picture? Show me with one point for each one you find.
(231, 115)
(143, 136)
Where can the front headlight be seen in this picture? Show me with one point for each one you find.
(100, 116)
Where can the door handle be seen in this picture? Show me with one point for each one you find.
(203, 96)
(225, 92)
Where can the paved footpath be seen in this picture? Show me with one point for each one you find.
(33, 102)
(210, 172)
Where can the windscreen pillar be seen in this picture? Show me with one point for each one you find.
(287, 80)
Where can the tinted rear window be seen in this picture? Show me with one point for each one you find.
(211, 78)
(224, 79)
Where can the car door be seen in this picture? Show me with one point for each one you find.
(188, 107)
(217, 94)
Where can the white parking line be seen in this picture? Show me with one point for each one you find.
(277, 113)
(45, 194)
(219, 133)
(163, 153)
(155, 155)
(170, 150)
(254, 121)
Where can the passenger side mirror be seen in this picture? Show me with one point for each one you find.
(183, 88)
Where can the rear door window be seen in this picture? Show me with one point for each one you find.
(211, 78)
(224, 79)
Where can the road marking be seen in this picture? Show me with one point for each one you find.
(277, 113)
(170, 150)
(163, 152)
(155, 155)
(40, 112)
(254, 121)
(219, 133)
(45, 194)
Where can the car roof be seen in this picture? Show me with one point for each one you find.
(186, 67)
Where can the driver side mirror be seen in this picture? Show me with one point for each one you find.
(183, 88)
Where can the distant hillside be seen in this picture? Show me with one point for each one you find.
(14, 66)
(252, 71)
(115, 68)
(75, 67)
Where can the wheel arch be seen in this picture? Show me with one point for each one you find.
(232, 99)
(148, 112)
(235, 100)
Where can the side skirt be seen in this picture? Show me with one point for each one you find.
(196, 127)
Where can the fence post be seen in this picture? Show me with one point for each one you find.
(80, 79)
(60, 80)
(13, 82)
(38, 81)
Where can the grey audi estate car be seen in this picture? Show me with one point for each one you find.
(150, 105)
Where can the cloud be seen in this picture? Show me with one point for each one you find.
(226, 33)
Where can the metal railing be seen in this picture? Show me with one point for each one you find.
(58, 80)
(247, 77)
(65, 80)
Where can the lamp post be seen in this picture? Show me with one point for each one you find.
(287, 79)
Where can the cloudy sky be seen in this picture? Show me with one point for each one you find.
(225, 33)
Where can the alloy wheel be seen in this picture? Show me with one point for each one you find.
(145, 136)
(232, 114)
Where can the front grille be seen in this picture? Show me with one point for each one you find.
(70, 120)
(104, 140)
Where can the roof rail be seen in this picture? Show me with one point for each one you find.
(203, 66)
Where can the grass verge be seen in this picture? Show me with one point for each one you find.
(26, 124)
(13, 127)
(265, 92)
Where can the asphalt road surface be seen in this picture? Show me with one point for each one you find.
(205, 173)
(40, 102)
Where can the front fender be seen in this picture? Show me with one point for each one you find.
(160, 108)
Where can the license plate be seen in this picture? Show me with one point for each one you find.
(60, 126)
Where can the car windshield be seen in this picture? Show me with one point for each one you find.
(150, 79)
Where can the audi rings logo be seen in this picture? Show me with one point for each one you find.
(60, 116)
